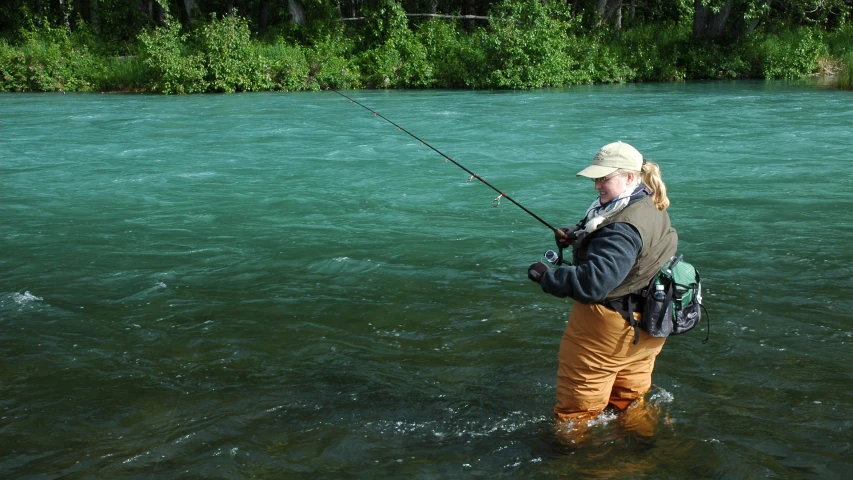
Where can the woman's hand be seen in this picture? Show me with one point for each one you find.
(535, 271)
(566, 236)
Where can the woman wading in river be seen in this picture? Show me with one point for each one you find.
(619, 245)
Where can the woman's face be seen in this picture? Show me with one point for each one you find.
(612, 186)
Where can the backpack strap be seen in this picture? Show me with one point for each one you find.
(708, 320)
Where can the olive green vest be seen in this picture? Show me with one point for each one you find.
(660, 242)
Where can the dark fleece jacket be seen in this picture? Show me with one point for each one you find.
(613, 249)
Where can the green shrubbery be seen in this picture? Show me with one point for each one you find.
(47, 59)
(332, 65)
(231, 60)
(657, 52)
(174, 66)
(528, 45)
(840, 45)
(524, 45)
(788, 55)
(288, 65)
(456, 57)
(845, 73)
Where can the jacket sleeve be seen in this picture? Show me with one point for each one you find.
(613, 250)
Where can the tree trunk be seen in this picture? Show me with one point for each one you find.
(264, 15)
(608, 9)
(153, 10)
(617, 21)
(95, 17)
(63, 7)
(297, 13)
(188, 9)
(706, 23)
(744, 29)
(468, 9)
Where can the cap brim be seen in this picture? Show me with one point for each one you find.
(596, 171)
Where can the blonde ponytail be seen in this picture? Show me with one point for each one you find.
(651, 178)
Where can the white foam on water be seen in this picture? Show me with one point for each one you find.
(196, 174)
(25, 298)
(603, 418)
(661, 396)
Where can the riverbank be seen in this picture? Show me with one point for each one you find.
(223, 55)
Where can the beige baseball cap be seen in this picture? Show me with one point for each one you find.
(612, 157)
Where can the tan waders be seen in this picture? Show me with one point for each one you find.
(600, 366)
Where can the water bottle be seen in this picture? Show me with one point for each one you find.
(659, 294)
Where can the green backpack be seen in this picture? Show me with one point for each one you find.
(673, 301)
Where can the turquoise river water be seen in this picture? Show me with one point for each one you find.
(285, 286)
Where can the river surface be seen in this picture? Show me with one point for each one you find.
(286, 286)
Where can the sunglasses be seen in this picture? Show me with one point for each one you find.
(604, 179)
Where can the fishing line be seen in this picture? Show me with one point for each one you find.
(495, 202)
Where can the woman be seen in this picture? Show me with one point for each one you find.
(620, 244)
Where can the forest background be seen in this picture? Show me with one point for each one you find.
(194, 46)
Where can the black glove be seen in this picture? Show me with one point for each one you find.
(535, 271)
(569, 239)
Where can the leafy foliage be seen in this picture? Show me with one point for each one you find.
(289, 68)
(457, 59)
(845, 74)
(332, 65)
(232, 63)
(524, 44)
(656, 52)
(791, 54)
(174, 67)
(527, 45)
(48, 59)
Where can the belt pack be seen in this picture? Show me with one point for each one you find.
(670, 305)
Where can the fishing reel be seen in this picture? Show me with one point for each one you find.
(553, 257)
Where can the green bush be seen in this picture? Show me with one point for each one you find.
(332, 65)
(704, 61)
(457, 59)
(13, 69)
(123, 74)
(845, 74)
(289, 67)
(174, 67)
(525, 44)
(47, 60)
(789, 55)
(233, 64)
(598, 62)
(398, 63)
(385, 21)
(655, 52)
(840, 42)
(394, 57)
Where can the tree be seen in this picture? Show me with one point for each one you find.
(710, 17)
(610, 10)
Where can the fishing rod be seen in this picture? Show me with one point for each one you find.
(501, 194)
